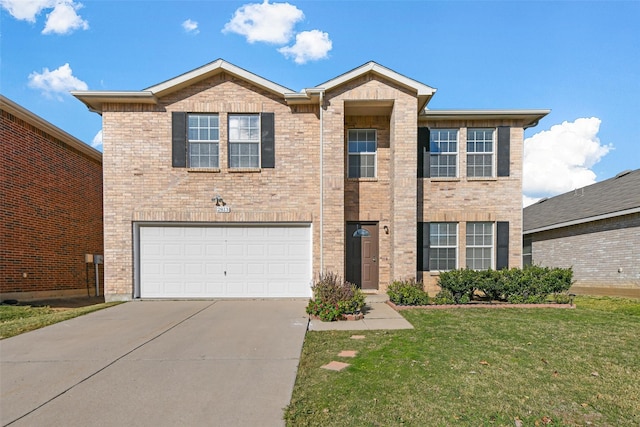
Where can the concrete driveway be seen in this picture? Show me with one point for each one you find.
(157, 363)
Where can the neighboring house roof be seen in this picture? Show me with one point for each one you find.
(38, 122)
(613, 197)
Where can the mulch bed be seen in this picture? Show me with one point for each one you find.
(479, 304)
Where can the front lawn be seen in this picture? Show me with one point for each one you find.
(17, 319)
(479, 367)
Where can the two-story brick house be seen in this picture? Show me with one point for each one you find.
(220, 183)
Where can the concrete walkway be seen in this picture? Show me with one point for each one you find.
(153, 363)
(378, 315)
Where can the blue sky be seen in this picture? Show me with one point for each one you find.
(579, 59)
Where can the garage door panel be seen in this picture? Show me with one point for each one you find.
(216, 261)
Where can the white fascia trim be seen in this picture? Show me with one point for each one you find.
(212, 67)
(583, 220)
(420, 88)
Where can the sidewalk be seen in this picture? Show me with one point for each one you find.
(377, 315)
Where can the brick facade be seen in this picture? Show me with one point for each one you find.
(604, 253)
(467, 199)
(50, 208)
(309, 183)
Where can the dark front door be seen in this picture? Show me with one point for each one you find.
(362, 255)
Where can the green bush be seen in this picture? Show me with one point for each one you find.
(533, 284)
(444, 297)
(461, 283)
(407, 292)
(333, 298)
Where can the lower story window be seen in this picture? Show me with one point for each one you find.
(527, 252)
(479, 245)
(443, 245)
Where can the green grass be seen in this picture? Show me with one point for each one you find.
(15, 320)
(574, 367)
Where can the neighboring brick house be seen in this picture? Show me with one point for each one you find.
(220, 183)
(594, 229)
(50, 208)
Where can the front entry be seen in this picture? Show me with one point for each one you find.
(362, 255)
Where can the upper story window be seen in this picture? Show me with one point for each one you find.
(443, 246)
(204, 140)
(443, 146)
(362, 148)
(480, 148)
(479, 245)
(244, 141)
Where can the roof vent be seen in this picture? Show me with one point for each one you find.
(544, 199)
(623, 173)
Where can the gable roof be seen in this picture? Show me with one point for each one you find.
(94, 99)
(423, 92)
(38, 122)
(613, 197)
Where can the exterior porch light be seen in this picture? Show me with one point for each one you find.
(361, 232)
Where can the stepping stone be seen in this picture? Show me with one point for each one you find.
(357, 337)
(335, 366)
(347, 353)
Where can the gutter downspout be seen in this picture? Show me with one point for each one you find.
(321, 101)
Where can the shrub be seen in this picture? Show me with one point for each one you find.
(407, 292)
(533, 284)
(333, 298)
(444, 297)
(461, 283)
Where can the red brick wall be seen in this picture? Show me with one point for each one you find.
(50, 212)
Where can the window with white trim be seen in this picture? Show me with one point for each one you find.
(362, 147)
(244, 140)
(443, 148)
(204, 140)
(443, 246)
(480, 148)
(479, 245)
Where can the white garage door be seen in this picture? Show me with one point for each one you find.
(225, 261)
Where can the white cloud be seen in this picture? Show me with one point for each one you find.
(58, 81)
(97, 141)
(309, 46)
(26, 10)
(560, 159)
(265, 22)
(63, 19)
(190, 26)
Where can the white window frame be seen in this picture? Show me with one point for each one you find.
(199, 142)
(360, 154)
(242, 142)
(491, 154)
(483, 245)
(444, 154)
(446, 246)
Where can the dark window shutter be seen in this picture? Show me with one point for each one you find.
(504, 150)
(423, 153)
(502, 249)
(267, 141)
(423, 246)
(179, 139)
